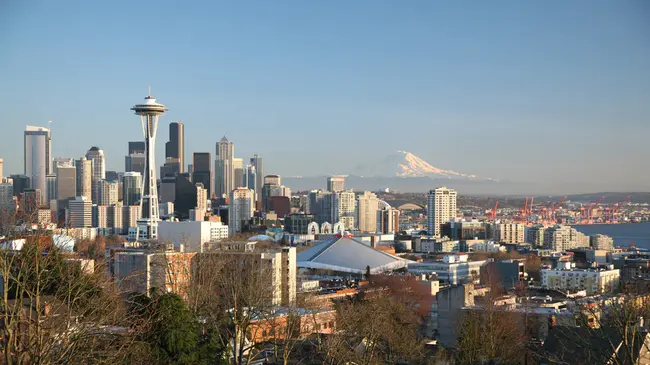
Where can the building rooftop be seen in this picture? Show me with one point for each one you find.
(348, 255)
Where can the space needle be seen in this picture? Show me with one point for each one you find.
(149, 112)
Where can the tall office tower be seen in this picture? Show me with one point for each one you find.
(320, 205)
(50, 183)
(62, 162)
(238, 172)
(335, 183)
(79, 213)
(1, 171)
(96, 156)
(251, 181)
(136, 147)
(388, 220)
(131, 188)
(258, 163)
(31, 200)
(272, 179)
(66, 186)
(38, 157)
(441, 208)
(149, 113)
(84, 180)
(201, 170)
(367, 207)
(21, 182)
(108, 192)
(6, 197)
(240, 209)
(135, 162)
(175, 149)
(224, 179)
(344, 207)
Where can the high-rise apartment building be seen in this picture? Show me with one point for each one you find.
(238, 172)
(335, 183)
(224, 180)
(108, 192)
(130, 216)
(175, 149)
(240, 209)
(79, 213)
(201, 170)
(367, 207)
(510, 232)
(441, 208)
(344, 207)
(257, 162)
(131, 188)
(201, 198)
(98, 163)
(320, 205)
(601, 242)
(84, 178)
(388, 220)
(38, 158)
(561, 238)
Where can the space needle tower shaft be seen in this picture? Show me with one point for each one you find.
(149, 112)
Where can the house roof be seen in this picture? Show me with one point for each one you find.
(348, 255)
(584, 345)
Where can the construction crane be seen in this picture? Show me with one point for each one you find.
(493, 214)
(530, 209)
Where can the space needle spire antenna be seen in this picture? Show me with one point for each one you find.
(147, 226)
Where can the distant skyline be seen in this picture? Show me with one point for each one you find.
(520, 91)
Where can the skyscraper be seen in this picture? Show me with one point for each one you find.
(149, 113)
(240, 209)
(66, 186)
(344, 208)
(38, 158)
(258, 163)
(441, 207)
(238, 172)
(79, 213)
(6, 196)
(224, 179)
(98, 160)
(131, 188)
(201, 170)
(388, 220)
(108, 192)
(367, 207)
(251, 181)
(335, 183)
(21, 182)
(84, 178)
(136, 147)
(175, 149)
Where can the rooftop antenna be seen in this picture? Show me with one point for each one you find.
(149, 90)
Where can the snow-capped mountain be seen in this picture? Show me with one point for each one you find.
(406, 164)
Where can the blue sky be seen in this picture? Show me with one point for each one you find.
(557, 91)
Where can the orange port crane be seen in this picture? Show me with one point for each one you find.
(614, 210)
(493, 214)
(554, 208)
(590, 210)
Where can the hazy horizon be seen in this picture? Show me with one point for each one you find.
(546, 92)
